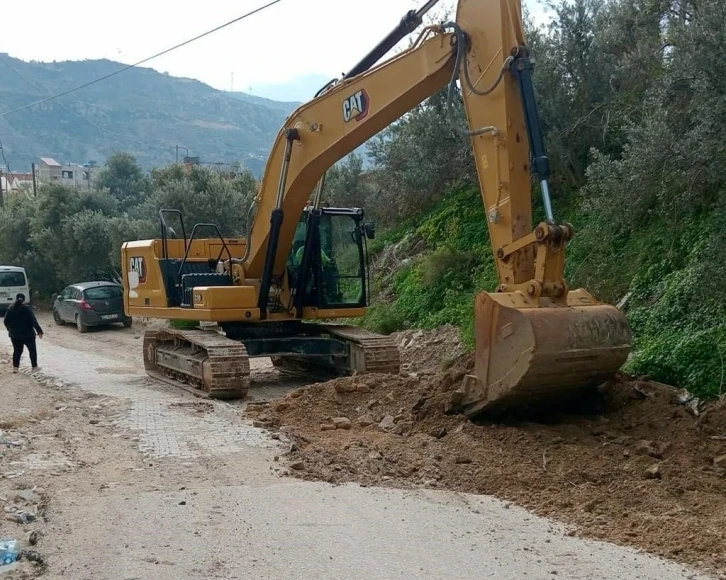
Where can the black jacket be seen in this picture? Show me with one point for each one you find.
(21, 322)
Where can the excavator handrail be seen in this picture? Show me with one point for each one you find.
(191, 239)
(165, 227)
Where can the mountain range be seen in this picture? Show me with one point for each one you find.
(141, 111)
(300, 88)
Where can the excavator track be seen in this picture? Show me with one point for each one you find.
(369, 353)
(203, 362)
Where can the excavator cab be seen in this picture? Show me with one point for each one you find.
(328, 265)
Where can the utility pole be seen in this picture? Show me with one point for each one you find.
(2, 193)
(35, 185)
(177, 147)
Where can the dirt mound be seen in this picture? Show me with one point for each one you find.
(429, 351)
(640, 469)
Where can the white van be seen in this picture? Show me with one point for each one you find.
(13, 281)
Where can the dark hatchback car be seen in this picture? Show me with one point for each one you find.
(90, 304)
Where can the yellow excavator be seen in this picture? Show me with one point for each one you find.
(303, 264)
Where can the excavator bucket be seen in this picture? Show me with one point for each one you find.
(531, 353)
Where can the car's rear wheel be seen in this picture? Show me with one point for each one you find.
(57, 318)
(79, 325)
(128, 322)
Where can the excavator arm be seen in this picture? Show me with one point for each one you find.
(485, 48)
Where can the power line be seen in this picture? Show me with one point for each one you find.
(127, 67)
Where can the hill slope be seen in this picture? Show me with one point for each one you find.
(140, 111)
(300, 88)
(286, 107)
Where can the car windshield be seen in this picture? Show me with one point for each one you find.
(102, 293)
(8, 279)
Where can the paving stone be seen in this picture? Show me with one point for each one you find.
(163, 428)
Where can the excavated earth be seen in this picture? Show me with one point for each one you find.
(635, 464)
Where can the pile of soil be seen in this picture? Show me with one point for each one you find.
(639, 468)
(429, 351)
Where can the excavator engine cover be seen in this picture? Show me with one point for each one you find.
(528, 353)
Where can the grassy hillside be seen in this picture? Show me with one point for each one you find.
(429, 269)
(140, 111)
(632, 104)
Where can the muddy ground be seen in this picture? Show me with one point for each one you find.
(44, 444)
(106, 474)
(634, 465)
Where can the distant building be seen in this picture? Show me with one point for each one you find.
(49, 170)
(68, 174)
(12, 183)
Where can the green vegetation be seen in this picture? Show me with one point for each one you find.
(64, 235)
(437, 285)
(633, 102)
(184, 324)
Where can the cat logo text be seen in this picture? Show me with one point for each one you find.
(137, 265)
(355, 107)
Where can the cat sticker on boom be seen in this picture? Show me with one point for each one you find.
(355, 107)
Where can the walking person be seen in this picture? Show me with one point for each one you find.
(22, 325)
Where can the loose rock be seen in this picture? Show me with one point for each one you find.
(365, 421)
(649, 448)
(342, 423)
(653, 472)
(26, 495)
(387, 422)
(403, 427)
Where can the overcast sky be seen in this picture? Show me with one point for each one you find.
(290, 39)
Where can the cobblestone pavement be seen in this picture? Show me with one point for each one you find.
(169, 422)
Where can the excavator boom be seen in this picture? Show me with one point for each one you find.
(323, 131)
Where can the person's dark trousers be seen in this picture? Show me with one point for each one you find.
(18, 344)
